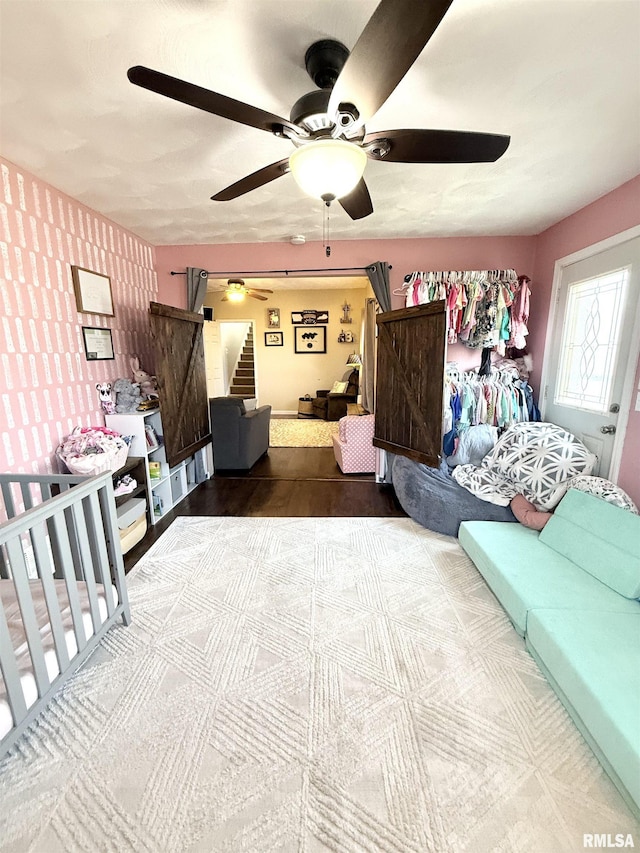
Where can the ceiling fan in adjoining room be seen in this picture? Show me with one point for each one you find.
(235, 290)
(327, 125)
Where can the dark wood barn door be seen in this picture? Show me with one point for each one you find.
(182, 381)
(409, 382)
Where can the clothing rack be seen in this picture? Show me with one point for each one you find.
(485, 309)
(501, 399)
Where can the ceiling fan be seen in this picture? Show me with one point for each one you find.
(327, 125)
(235, 290)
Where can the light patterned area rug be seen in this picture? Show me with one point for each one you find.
(306, 685)
(285, 432)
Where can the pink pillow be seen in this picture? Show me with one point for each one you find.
(527, 514)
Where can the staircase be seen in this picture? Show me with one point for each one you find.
(243, 383)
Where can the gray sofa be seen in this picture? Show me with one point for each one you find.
(239, 437)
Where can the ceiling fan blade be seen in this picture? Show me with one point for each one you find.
(205, 99)
(258, 290)
(257, 296)
(390, 43)
(253, 181)
(358, 203)
(438, 146)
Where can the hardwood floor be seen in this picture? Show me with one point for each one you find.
(288, 481)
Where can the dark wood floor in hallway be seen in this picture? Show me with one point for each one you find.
(288, 481)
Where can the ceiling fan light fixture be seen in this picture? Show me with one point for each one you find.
(235, 295)
(328, 168)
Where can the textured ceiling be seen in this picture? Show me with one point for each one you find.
(562, 78)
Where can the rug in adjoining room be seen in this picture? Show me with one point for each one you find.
(306, 685)
(288, 432)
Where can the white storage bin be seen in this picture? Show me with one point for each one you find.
(130, 511)
(132, 522)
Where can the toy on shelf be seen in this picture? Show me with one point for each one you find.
(127, 396)
(148, 384)
(106, 397)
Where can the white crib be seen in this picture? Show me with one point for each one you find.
(62, 586)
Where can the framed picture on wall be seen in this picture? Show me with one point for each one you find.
(98, 345)
(310, 339)
(93, 292)
(273, 339)
(273, 318)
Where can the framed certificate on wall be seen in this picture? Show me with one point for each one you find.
(98, 344)
(93, 292)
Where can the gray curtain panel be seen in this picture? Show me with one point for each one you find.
(367, 382)
(379, 277)
(196, 288)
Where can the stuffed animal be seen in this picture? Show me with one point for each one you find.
(127, 396)
(106, 399)
(147, 383)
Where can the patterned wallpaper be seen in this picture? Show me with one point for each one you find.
(47, 386)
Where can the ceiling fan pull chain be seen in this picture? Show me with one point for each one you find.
(325, 230)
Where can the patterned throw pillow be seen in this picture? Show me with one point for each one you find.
(339, 387)
(604, 489)
(532, 459)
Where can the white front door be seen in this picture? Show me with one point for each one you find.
(592, 353)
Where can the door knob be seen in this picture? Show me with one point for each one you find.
(608, 430)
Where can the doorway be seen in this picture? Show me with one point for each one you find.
(590, 362)
(230, 358)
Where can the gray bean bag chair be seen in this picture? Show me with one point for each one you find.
(432, 497)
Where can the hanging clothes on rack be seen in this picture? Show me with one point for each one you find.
(471, 399)
(485, 309)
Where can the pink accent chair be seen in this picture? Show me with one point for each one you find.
(353, 445)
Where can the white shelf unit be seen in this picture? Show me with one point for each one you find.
(174, 484)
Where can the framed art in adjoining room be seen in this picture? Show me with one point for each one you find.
(98, 344)
(93, 292)
(273, 318)
(311, 339)
(273, 339)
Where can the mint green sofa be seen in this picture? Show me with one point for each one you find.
(572, 592)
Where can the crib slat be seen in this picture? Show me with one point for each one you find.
(4, 569)
(10, 673)
(84, 561)
(108, 507)
(55, 548)
(7, 497)
(45, 572)
(27, 499)
(45, 491)
(69, 576)
(72, 535)
(29, 621)
(98, 549)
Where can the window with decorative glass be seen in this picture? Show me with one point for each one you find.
(590, 346)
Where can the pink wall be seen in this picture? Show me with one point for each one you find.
(48, 386)
(405, 256)
(613, 213)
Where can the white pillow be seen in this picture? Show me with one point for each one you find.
(532, 459)
(604, 489)
(339, 387)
